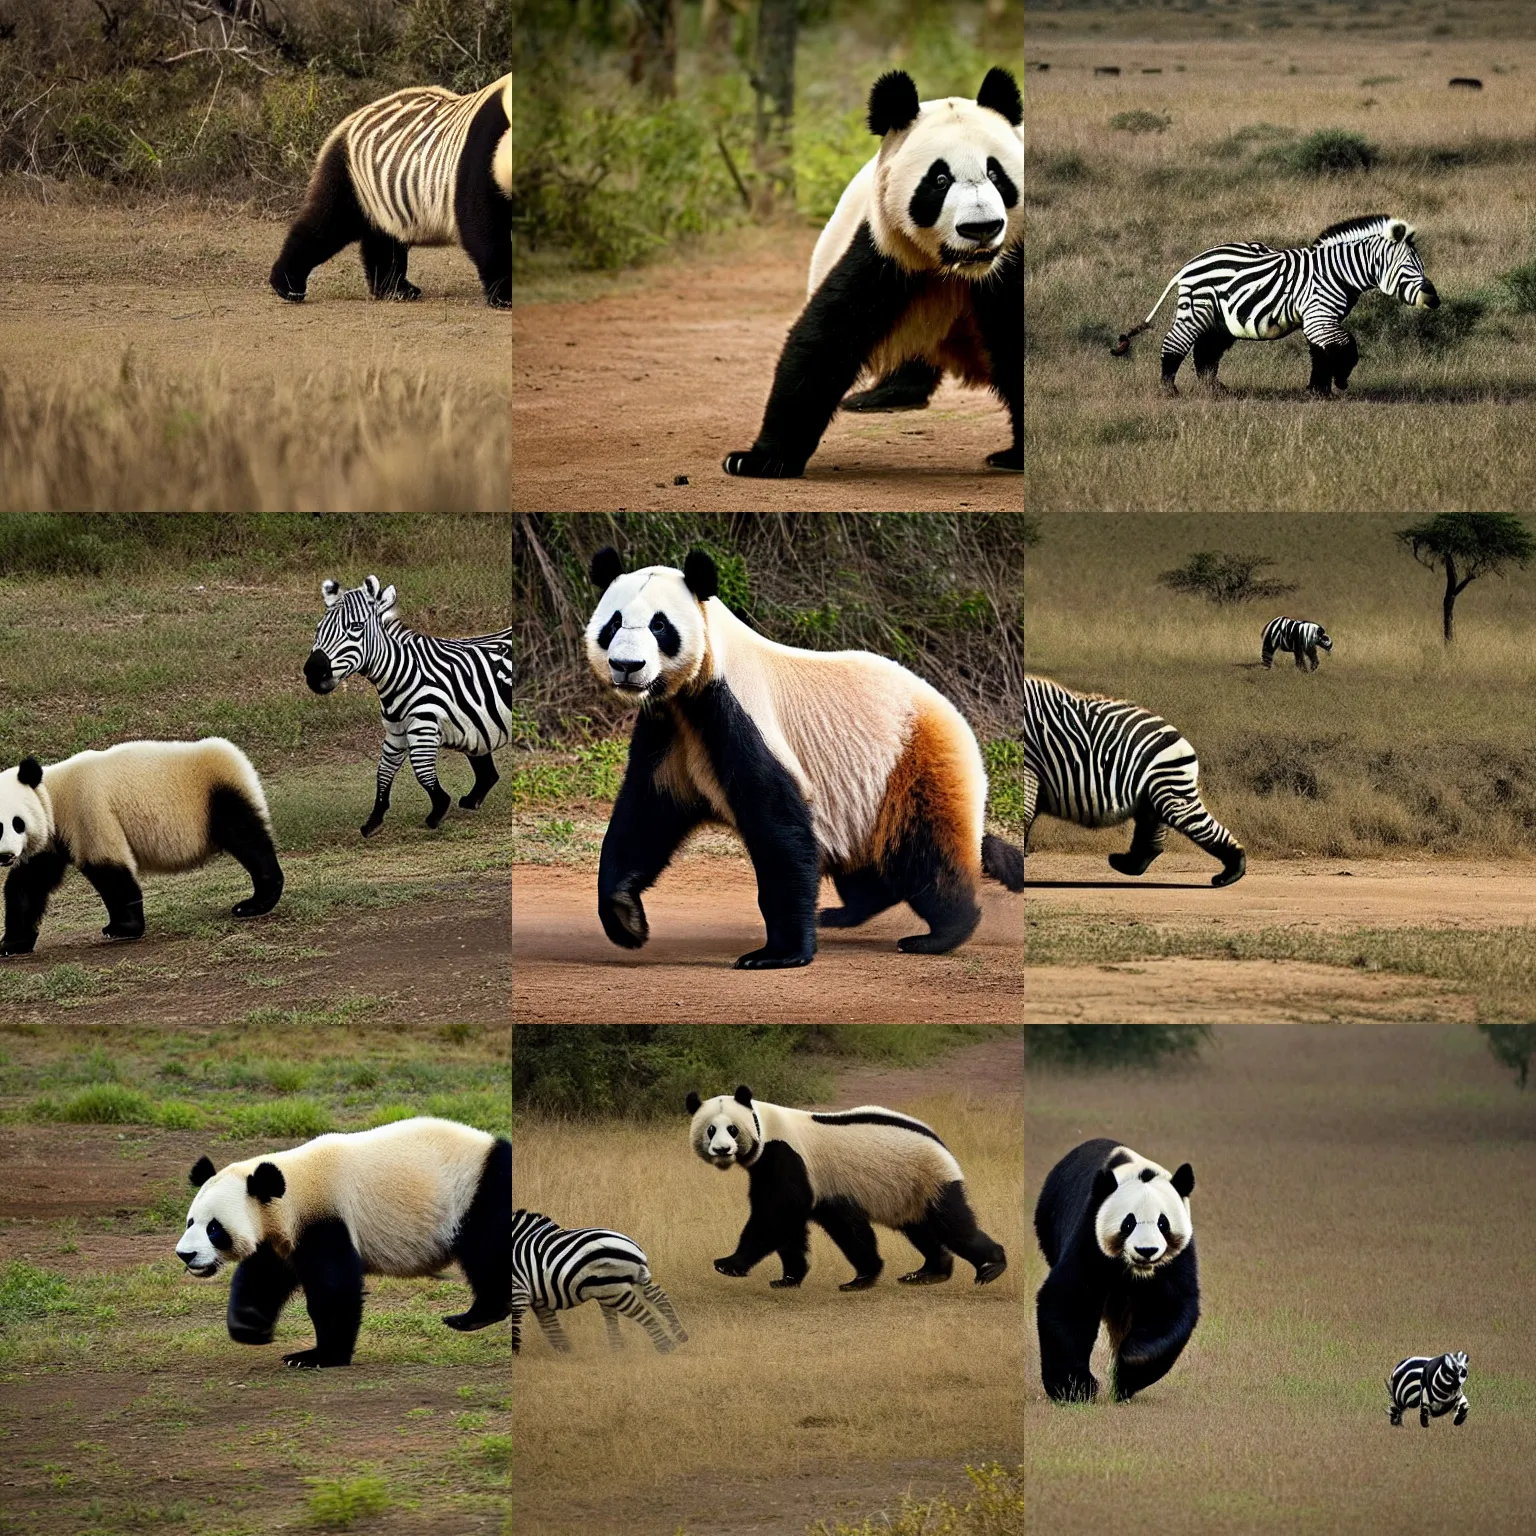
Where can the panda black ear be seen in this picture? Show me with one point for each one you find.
(267, 1183)
(892, 102)
(1104, 1185)
(29, 772)
(1000, 91)
(202, 1171)
(699, 572)
(692, 1103)
(1184, 1179)
(744, 1096)
(606, 567)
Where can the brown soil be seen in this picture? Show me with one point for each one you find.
(992, 1066)
(614, 397)
(703, 914)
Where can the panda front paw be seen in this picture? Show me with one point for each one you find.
(17, 946)
(1010, 459)
(766, 959)
(311, 1360)
(729, 1266)
(757, 465)
(624, 920)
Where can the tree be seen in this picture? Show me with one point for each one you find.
(1466, 545)
(653, 47)
(774, 82)
(1223, 578)
(1512, 1045)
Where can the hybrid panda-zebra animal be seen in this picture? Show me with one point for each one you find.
(1431, 1383)
(921, 260)
(423, 166)
(404, 1199)
(1301, 637)
(835, 760)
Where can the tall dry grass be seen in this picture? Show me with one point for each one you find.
(1352, 1206)
(771, 1383)
(1114, 213)
(1397, 744)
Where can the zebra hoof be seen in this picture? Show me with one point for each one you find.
(1232, 871)
(1127, 864)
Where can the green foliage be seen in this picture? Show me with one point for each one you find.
(994, 1508)
(108, 1104)
(1435, 331)
(1512, 1046)
(1328, 152)
(1223, 578)
(50, 544)
(29, 1292)
(1521, 283)
(1480, 543)
(334, 1505)
(1237, 144)
(1141, 122)
(1093, 1046)
(828, 154)
(300, 1117)
(1005, 779)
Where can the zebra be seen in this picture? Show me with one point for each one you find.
(1432, 1384)
(420, 167)
(1099, 762)
(1250, 291)
(554, 1270)
(433, 693)
(1299, 636)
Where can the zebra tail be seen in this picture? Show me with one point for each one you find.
(1123, 346)
(1003, 862)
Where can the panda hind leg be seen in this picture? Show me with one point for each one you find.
(235, 826)
(847, 1225)
(864, 894)
(123, 899)
(483, 1245)
(384, 263)
(331, 1271)
(1000, 317)
(949, 1225)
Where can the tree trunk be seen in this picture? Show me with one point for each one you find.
(774, 83)
(653, 47)
(1451, 589)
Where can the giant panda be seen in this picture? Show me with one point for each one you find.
(923, 259)
(842, 1171)
(404, 1199)
(161, 806)
(835, 760)
(382, 178)
(1116, 1230)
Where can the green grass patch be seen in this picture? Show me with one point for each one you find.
(337, 1505)
(29, 1292)
(296, 1117)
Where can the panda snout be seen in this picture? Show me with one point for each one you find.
(983, 232)
(1145, 1255)
(6, 857)
(624, 672)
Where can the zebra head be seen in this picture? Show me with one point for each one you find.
(350, 628)
(1402, 271)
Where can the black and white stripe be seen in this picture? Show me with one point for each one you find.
(1100, 762)
(1432, 1384)
(554, 1270)
(433, 693)
(1302, 638)
(1248, 291)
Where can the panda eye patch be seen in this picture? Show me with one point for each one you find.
(1162, 1225)
(218, 1236)
(610, 629)
(18, 824)
(1127, 1226)
(658, 623)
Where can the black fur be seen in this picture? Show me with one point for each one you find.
(235, 825)
(483, 1244)
(202, 1171)
(1002, 862)
(1000, 91)
(27, 889)
(908, 387)
(949, 1227)
(486, 776)
(1152, 1316)
(893, 102)
(999, 302)
(331, 218)
(606, 568)
(927, 200)
(121, 896)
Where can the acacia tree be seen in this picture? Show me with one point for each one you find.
(1222, 578)
(1466, 545)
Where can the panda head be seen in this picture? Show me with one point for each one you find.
(948, 176)
(1141, 1211)
(647, 637)
(228, 1218)
(341, 637)
(26, 817)
(725, 1129)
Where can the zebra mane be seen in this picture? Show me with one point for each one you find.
(1362, 228)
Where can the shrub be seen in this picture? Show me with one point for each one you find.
(1112, 1045)
(1391, 324)
(1067, 167)
(1330, 152)
(1221, 578)
(334, 1505)
(108, 1104)
(1140, 122)
(1521, 283)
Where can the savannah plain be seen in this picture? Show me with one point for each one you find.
(1213, 106)
(1351, 1208)
(1387, 801)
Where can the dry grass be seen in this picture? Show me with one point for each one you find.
(772, 1384)
(1113, 214)
(1352, 1207)
(1396, 744)
(146, 365)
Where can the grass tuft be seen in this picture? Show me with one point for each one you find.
(338, 1504)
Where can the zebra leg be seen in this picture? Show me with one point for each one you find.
(1146, 843)
(384, 260)
(550, 1326)
(517, 1326)
(391, 755)
(611, 1323)
(1187, 814)
(1269, 656)
(1395, 1415)
(1345, 355)
(1321, 382)
(864, 893)
(1210, 348)
(636, 1306)
(485, 777)
(1301, 659)
(330, 219)
(659, 1299)
(1461, 1411)
(425, 738)
(1314, 658)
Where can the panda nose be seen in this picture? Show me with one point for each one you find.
(7, 857)
(1146, 1255)
(628, 668)
(982, 233)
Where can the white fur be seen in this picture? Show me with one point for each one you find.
(501, 165)
(402, 1190)
(891, 1173)
(838, 721)
(1149, 1202)
(142, 804)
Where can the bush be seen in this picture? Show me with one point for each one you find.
(1329, 152)
(1140, 122)
(1112, 1045)
(1067, 167)
(1391, 324)
(334, 1505)
(1221, 578)
(1521, 283)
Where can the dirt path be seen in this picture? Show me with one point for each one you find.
(702, 915)
(991, 1066)
(614, 397)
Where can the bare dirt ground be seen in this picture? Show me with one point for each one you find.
(1307, 895)
(614, 397)
(565, 970)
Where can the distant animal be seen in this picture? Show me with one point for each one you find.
(433, 693)
(1106, 69)
(1099, 762)
(1467, 82)
(555, 1269)
(842, 1170)
(821, 760)
(403, 1199)
(1250, 291)
(1116, 1231)
(1431, 1383)
(421, 166)
(141, 806)
(922, 259)
(1300, 637)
